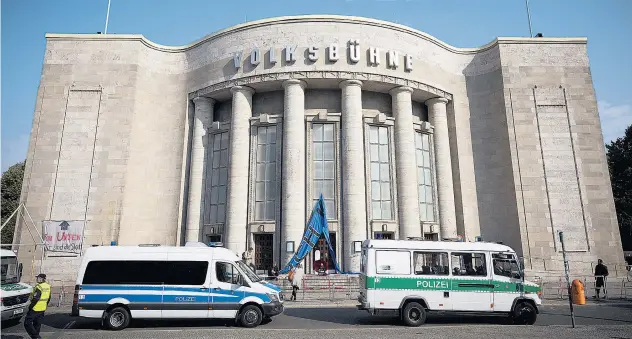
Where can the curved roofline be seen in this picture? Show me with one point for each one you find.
(312, 18)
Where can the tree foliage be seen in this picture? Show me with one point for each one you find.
(620, 167)
(11, 190)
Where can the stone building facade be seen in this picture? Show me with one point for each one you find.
(233, 137)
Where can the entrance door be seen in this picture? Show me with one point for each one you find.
(263, 251)
(325, 258)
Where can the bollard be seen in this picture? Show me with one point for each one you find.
(577, 290)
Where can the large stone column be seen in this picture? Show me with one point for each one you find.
(203, 117)
(293, 168)
(239, 156)
(437, 114)
(354, 209)
(407, 194)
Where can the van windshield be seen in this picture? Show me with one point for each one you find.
(10, 270)
(248, 271)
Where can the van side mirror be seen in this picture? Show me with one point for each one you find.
(20, 272)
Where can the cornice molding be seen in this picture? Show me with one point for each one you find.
(342, 75)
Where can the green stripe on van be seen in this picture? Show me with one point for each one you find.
(438, 284)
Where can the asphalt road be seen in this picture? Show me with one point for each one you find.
(594, 321)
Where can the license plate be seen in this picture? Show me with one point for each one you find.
(18, 311)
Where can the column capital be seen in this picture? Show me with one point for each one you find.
(400, 89)
(291, 82)
(242, 89)
(438, 100)
(203, 100)
(347, 83)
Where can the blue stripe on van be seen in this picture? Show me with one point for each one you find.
(231, 296)
(148, 298)
(272, 286)
(132, 298)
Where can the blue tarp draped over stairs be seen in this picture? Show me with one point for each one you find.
(316, 226)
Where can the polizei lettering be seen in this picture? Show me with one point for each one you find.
(432, 284)
(331, 54)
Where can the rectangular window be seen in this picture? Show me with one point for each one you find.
(392, 262)
(381, 200)
(265, 181)
(431, 263)
(146, 272)
(468, 264)
(219, 178)
(424, 177)
(324, 166)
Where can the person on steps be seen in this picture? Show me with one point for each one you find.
(297, 280)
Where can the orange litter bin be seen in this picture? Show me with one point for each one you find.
(577, 292)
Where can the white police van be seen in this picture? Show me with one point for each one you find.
(14, 295)
(417, 277)
(120, 283)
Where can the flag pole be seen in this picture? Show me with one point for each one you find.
(107, 18)
(529, 18)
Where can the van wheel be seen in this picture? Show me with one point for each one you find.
(117, 319)
(524, 314)
(414, 314)
(250, 316)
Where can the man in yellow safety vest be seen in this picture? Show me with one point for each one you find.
(39, 301)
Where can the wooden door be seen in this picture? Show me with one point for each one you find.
(263, 251)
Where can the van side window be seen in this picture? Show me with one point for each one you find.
(392, 262)
(227, 273)
(186, 273)
(504, 265)
(468, 264)
(431, 263)
(145, 272)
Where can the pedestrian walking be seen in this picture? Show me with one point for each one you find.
(40, 297)
(601, 272)
(297, 280)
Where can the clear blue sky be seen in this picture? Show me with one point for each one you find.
(461, 23)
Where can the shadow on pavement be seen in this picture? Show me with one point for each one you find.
(578, 315)
(65, 321)
(355, 317)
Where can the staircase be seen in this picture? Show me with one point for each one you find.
(326, 288)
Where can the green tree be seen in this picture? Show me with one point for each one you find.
(11, 190)
(620, 167)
